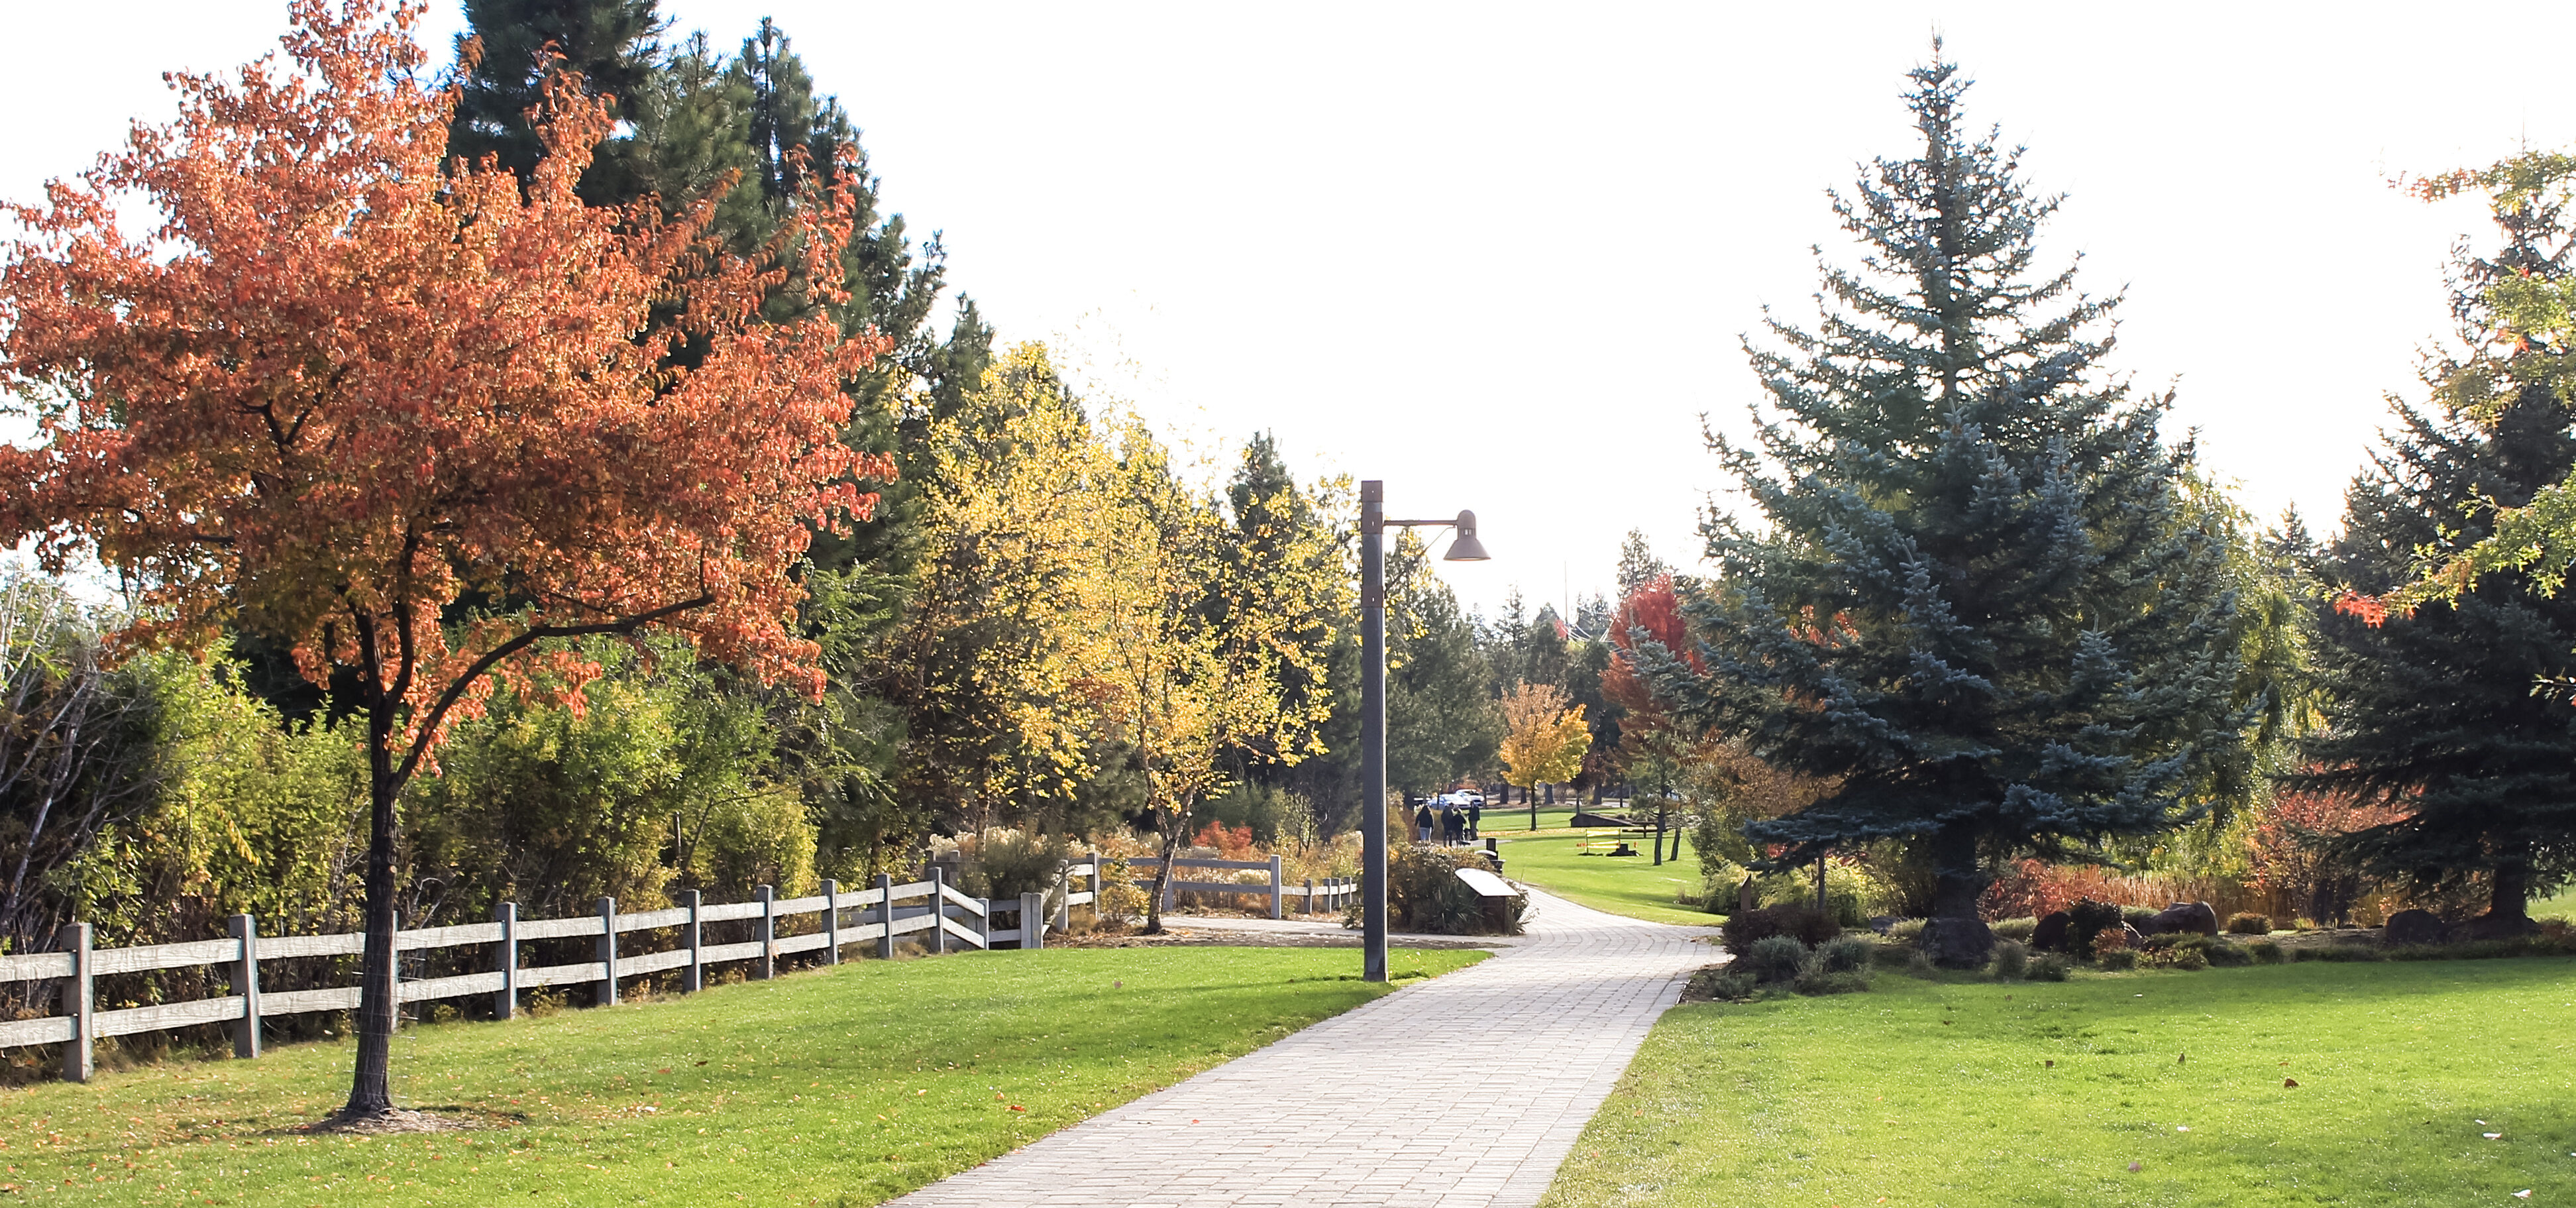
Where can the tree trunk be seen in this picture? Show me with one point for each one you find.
(1163, 873)
(370, 1091)
(2508, 905)
(1955, 937)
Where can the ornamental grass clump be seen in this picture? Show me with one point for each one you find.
(2243, 923)
(2011, 960)
(1774, 958)
(2050, 967)
(1846, 954)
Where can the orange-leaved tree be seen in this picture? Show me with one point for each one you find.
(414, 418)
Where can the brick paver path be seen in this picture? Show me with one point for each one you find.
(1464, 1090)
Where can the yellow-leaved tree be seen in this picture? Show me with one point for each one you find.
(1544, 737)
(1081, 602)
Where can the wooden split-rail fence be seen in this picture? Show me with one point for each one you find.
(941, 917)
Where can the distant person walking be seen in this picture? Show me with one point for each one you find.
(1452, 824)
(1422, 822)
(1475, 818)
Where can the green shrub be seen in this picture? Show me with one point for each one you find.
(2014, 929)
(2175, 956)
(2264, 952)
(1846, 954)
(1820, 981)
(1920, 965)
(1774, 958)
(1423, 893)
(2050, 967)
(2227, 956)
(1906, 931)
(2242, 923)
(1806, 924)
(2117, 958)
(1726, 985)
(1890, 954)
(2086, 919)
(2011, 960)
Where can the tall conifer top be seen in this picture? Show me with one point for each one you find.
(1974, 587)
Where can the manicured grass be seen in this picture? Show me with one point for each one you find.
(1631, 885)
(2562, 906)
(1923, 1093)
(844, 1087)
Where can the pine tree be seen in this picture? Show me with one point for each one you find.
(1975, 592)
(1441, 719)
(2435, 712)
(1638, 565)
(615, 46)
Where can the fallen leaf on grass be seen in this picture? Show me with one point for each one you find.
(2289, 1082)
(2133, 1168)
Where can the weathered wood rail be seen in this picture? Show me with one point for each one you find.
(931, 912)
(1333, 894)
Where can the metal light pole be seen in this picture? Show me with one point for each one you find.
(1373, 526)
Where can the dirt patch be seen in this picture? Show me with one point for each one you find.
(399, 1120)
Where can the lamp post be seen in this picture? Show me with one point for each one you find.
(1373, 526)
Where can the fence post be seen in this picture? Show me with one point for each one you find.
(1277, 897)
(1032, 921)
(608, 952)
(768, 932)
(985, 925)
(938, 910)
(505, 959)
(77, 1065)
(885, 917)
(246, 985)
(1062, 918)
(693, 977)
(831, 921)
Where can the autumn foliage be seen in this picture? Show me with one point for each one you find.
(410, 417)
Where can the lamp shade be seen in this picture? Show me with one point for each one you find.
(1465, 548)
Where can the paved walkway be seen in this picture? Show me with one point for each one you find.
(1465, 1091)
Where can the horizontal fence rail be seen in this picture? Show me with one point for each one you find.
(930, 912)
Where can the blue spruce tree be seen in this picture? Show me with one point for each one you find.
(1977, 592)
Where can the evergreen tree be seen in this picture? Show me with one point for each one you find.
(1638, 565)
(1275, 520)
(2435, 713)
(615, 46)
(1976, 594)
(1441, 719)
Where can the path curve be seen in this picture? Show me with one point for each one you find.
(1464, 1091)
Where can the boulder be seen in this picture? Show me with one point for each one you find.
(2181, 918)
(2050, 934)
(1881, 922)
(1956, 943)
(2416, 927)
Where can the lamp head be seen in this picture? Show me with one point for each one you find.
(1465, 548)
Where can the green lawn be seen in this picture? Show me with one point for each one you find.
(1923, 1093)
(844, 1087)
(2561, 907)
(1631, 885)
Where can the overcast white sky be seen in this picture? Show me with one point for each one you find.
(1500, 256)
